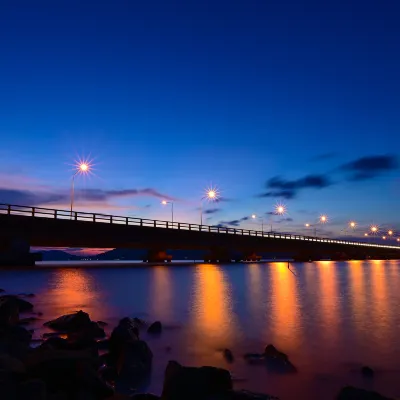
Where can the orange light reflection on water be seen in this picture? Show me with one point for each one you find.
(211, 311)
(162, 293)
(285, 316)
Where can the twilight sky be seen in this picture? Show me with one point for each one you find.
(293, 102)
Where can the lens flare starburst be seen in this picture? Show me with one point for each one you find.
(323, 219)
(280, 209)
(374, 229)
(83, 166)
(212, 193)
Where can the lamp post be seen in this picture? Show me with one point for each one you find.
(254, 216)
(212, 194)
(323, 219)
(165, 202)
(81, 168)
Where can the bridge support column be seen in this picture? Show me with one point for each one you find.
(159, 256)
(16, 253)
(251, 256)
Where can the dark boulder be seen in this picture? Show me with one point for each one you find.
(228, 355)
(352, 393)
(33, 389)
(125, 332)
(194, 383)
(9, 312)
(23, 305)
(367, 372)
(101, 323)
(277, 361)
(55, 343)
(70, 322)
(27, 321)
(135, 361)
(16, 334)
(155, 328)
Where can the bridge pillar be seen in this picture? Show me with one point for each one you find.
(159, 256)
(15, 252)
(251, 256)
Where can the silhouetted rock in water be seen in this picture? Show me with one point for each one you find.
(70, 322)
(352, 393)
(242, 395)
(145, 396)
(9, 312)
(55, 343)
(155, 328)
(23, 305)
(138, 322)
(33, 389)
(228, 355)
(16, 334)
(125, 332)
(278, 361)
(367, 372)
(11, 365)
(67, 371)
(101, 323)
(194, 383)
(135, 360)
(103, 344)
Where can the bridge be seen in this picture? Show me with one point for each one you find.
(22, 227)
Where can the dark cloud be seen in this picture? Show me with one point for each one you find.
(212, 210)
(25, 197)
(235, 222)
(283, 194)
(288, 189)
(223, 200)
(370, 167)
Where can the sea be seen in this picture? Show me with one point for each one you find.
(330, 318)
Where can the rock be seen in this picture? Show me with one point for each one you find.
(23, 305)
(125, 332)
(103, 344)
(11, 365)
(34, 389)
(8, 386)
(228, 355)
(55, 343)
(135, 361)
(278, 361)
(155, 328)
(9, 311)
(194, 383)
(101, 323)
(139, 322)
(16, 333)
(367, 372)
(352, 393)
(67, 371)
(70, 322)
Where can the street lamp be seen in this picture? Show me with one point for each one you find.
(212, 194)
(323, 219)
(82, 168)
(254, 216)
(390, 232)
(164, 203)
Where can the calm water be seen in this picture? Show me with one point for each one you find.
(330, 317)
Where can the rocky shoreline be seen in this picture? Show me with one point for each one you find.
(77, 361)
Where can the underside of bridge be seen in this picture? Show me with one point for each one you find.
(18, 233)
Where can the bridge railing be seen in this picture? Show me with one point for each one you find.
(41, 212)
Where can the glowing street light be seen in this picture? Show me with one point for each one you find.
(323, 219)
(384, 237)
(390, 232)
(374, 229)
(254, 216)
(365, 234)
(212, 194)
(352, 224)
(280, 209)
(164, 203)
(81, 168)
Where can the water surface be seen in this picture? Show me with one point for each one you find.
(329, 317)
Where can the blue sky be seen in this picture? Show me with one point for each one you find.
(296, 101)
